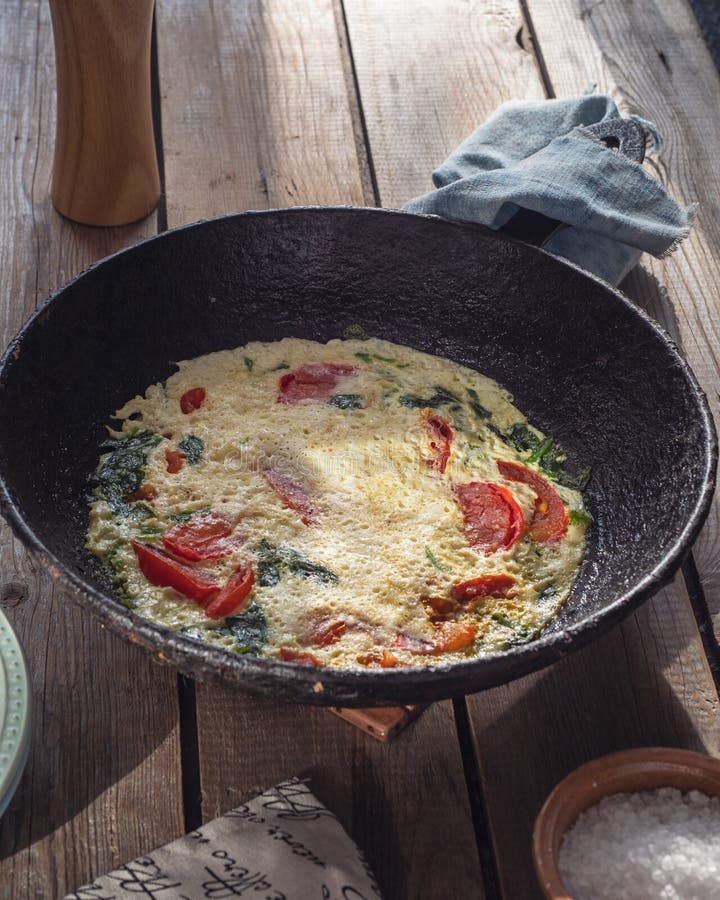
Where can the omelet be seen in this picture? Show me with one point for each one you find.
(353, 504)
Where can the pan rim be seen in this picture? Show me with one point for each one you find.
(372, 686)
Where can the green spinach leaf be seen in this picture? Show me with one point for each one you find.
(441, 397)
(545, 452)
(369, 357)
(193, 448)
(576, 482)
(187, 514)
(503, 620)
(249, 629)
(117, 575)
(546, 593)
(521, 437)
(521, 634)
(476, 406)
(122, 471)
(346, 401)
(579, 517)
(272, 561)
(433, 560)
(269, 562)
(306, 568)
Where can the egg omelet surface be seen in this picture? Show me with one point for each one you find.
(355, 503)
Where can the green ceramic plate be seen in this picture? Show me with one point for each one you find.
(15, 712)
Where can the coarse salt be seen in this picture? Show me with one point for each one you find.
(649, 845)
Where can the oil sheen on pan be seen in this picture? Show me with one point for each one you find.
(353, 504)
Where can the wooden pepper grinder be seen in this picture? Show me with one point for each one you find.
(105, 170)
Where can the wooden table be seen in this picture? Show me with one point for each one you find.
(268, 103)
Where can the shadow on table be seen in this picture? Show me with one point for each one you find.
(103, 769)
(645, 683)
(404, 802)
(643, 288)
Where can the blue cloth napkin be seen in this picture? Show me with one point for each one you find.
(536, 155)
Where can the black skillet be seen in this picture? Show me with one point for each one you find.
(583, 362)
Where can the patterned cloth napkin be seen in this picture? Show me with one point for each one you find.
(283, 845)
(535, 155)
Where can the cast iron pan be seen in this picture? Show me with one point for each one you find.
(584, 364)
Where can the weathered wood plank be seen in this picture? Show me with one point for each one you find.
(404, 803)
(652, 58)
(429, 72)
(276, 96)
(102, 784)
(255, 108)
(646, 682)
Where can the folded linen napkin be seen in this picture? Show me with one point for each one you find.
(536, 155)
(282, 845)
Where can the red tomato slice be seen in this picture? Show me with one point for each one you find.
(384, 659)
(202, 537)
(144, 492)
(550, 519)
(307, 659)
(451, 636)
(175, 461)
(232, 597)
(292, 493)
(327, 631)
(314, 381)
(483, 586)
(164, 571)
(412, 644)
(493, 519)
(439, 608)
(441, 435)
(389, 660)
(192, 399)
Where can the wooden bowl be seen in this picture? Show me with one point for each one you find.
(642, 769)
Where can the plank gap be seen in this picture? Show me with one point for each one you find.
(476, 800)
(703, 618)
(156, 104)
(189, 754)
(587, 45)
(357, 104)
(102, 783)
(617, 45)
(534, 48)
(689, 571)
